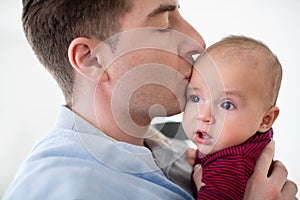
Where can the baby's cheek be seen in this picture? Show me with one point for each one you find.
(188, 126)
(229, 138)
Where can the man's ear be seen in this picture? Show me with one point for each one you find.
(268, 119)
(84, 62)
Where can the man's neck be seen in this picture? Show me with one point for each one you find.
(108, 126)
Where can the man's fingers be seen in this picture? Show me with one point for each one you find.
(266, 183)
(264, 161)
(289, 190)
(197, 172)
(197, 176)
(198, 169)
(279, 174)
(190, 156)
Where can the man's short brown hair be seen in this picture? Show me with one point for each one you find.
(51, 25)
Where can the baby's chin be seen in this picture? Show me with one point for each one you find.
(204, 150)
(208, 149)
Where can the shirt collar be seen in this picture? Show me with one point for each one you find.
(117, 155)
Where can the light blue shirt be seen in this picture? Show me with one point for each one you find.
(77, 161)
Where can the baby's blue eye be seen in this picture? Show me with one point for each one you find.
(228, 105)
(195, 99)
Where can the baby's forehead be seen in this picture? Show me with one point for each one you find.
(217, 57)
(238, 64)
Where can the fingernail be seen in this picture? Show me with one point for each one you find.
(197, 166)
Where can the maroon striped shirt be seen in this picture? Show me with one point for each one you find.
(226, 172)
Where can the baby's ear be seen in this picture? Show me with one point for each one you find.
(268, 119)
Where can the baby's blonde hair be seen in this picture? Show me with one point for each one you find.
(239, 46)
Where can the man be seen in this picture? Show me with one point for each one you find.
(119, 64)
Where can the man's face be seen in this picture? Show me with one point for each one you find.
(152, 60)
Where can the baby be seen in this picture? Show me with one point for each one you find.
(229, 112)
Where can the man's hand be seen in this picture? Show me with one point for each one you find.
(197, 176)
(190, 155)
(260, 186)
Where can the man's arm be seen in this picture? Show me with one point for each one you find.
(260, 186)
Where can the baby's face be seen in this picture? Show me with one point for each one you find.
(224, 106)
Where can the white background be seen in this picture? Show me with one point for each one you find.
(30, 99)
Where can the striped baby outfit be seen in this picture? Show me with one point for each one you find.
(226, 172)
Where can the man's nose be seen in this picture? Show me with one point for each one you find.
(192, 42)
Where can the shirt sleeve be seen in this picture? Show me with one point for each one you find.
(169, 154)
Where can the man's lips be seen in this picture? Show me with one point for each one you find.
(188, 76)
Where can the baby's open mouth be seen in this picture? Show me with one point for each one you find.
(203, 135)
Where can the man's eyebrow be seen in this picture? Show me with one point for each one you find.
(163, 8)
